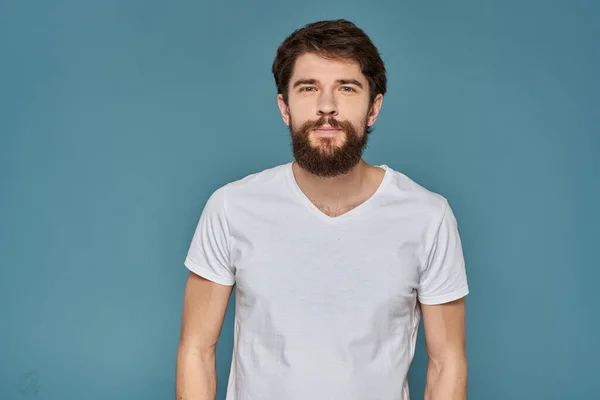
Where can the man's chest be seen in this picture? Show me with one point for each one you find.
(339, 274)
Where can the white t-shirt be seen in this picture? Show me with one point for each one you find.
(326, 307)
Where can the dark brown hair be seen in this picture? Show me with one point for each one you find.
(334, 39)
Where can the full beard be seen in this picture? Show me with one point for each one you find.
(326, 159)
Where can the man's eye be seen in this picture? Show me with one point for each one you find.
(347, 89)
(307, 89)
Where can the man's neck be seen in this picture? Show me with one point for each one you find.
(344, 190)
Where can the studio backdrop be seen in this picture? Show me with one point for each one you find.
(118, 119)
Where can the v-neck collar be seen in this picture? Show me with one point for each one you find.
(348, 214)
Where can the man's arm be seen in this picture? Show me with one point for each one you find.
(204, 307)
(444, 327)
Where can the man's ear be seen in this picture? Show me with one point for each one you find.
(284, 109)
(374, 111)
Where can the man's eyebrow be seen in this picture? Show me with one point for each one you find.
(350, 82)
(305, 82)
(355, 82)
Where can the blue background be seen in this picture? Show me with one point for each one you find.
(119, 118)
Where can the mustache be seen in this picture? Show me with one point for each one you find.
(334, 123)
(309, 125)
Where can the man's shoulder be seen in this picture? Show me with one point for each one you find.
(407, 191)
(257, 182)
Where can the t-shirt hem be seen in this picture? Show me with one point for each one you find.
(205, 273)
(445, 298)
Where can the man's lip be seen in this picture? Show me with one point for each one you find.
(326, 129)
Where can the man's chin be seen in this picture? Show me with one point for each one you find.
(331, 140)
(326, 149)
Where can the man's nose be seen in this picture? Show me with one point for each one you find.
(327, 106)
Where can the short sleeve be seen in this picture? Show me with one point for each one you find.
(209, 252)
(443, 277)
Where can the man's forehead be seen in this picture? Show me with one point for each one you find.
(313, 66)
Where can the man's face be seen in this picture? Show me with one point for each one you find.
(328, 114)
